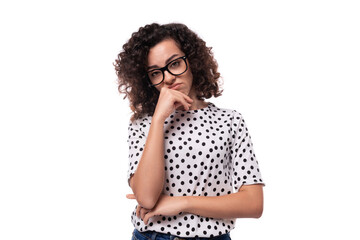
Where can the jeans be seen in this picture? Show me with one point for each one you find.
(152, 235)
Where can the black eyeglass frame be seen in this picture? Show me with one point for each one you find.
(167, 69)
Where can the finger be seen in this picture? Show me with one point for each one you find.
(186, 104)
(186, 101)
(138, 210)
(143, 211)
(180, 100)
(181, 104)
(147, 216)
(130, 196)
(177, 104)
(186, 97)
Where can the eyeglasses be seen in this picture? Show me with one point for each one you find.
(176, 67)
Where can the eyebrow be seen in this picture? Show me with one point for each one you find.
(166, 62)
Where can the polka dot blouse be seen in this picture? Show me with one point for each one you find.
(208, 152)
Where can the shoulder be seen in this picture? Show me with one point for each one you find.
(233, 113)
(139, 123)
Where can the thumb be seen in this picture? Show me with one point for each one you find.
(130, 196)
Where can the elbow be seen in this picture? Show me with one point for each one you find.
(146, 202)
(258, 211)
(258, 206)
(145, 199)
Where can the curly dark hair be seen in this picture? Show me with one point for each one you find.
(130, 65)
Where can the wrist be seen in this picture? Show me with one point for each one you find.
(186, 203)
(157, 120)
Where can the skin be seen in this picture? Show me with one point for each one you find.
(184, 96)
(247, 202)
(149, 178)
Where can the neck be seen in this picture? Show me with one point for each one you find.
(196, 104)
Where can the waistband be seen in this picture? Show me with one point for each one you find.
(151, 235)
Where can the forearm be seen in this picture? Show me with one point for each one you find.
(236, 205)
(149, 176)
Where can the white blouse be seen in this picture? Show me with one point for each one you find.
(208, 152)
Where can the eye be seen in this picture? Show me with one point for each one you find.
(175, 64)
(154, 74)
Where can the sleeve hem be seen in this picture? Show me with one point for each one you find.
(249, 183)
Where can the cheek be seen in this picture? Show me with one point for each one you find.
(189, 78)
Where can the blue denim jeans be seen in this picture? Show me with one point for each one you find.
(152, 235)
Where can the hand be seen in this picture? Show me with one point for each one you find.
(168, 101)
(165, 206)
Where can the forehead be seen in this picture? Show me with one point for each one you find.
(162, 51)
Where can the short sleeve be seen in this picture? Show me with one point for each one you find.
(136, 142)
(245, 167)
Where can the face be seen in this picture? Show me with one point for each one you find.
(163, 53)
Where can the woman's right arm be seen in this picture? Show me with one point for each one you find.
(148, 180)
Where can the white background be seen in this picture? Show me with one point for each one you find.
(290, 67)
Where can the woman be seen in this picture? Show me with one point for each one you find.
(185, 154)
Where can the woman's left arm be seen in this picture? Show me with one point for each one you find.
(246, 203)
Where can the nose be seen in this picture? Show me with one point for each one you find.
(168, 78)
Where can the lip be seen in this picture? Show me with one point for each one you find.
(175, 86)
